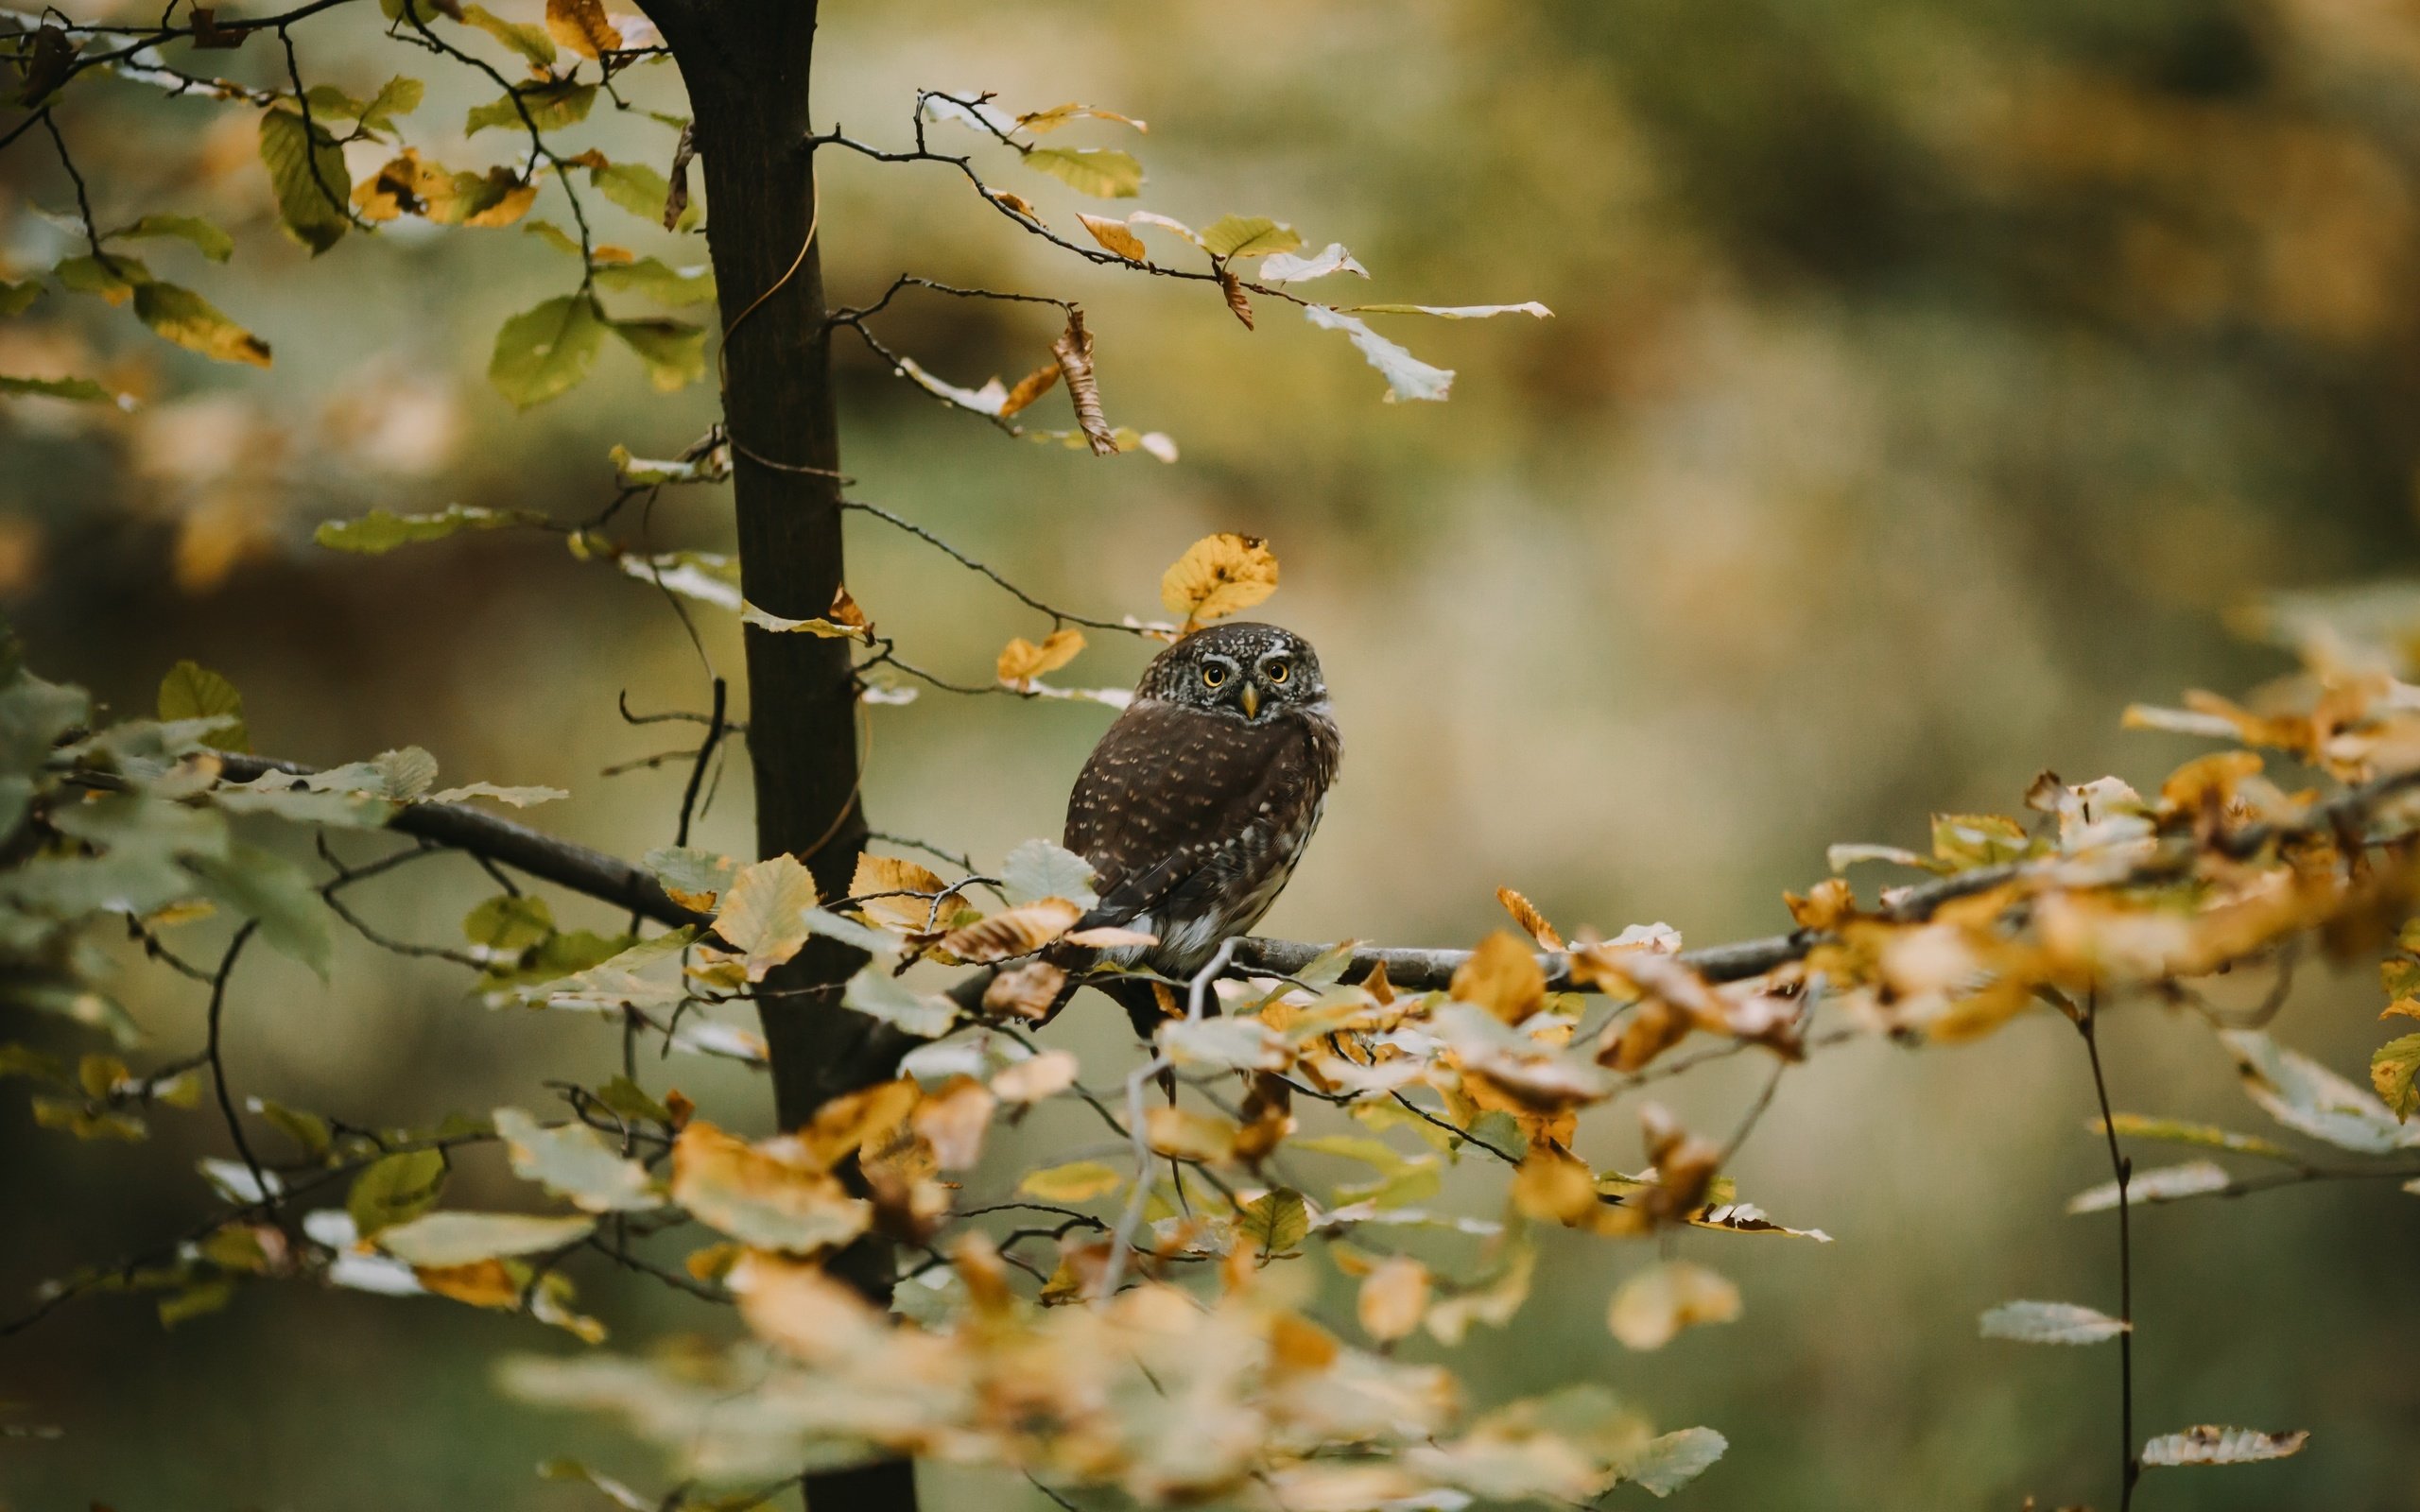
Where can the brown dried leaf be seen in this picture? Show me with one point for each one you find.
(1502, 976)
(845, 612)
(582, 25)
(676, 197)
(1074, 350)
(1552, 1184)
(1237, 300)
(1027, 991)
(1018, 931)
(1021, 661)
(1532, 923)
(1824, 906)
(1217, 576)
(1029, 388)
(1116, 236)
(858, 1121)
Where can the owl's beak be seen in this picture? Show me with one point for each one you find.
(1250, 698)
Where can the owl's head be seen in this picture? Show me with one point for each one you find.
(1244, 670)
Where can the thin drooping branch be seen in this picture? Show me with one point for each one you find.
(2088, 1024)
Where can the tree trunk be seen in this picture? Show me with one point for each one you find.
(746, 64)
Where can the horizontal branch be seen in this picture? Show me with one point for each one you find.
(592, 874)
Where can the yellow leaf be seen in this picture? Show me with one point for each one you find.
(764, 913)
(1100, 172)
(1394, 1299)
(1022, 660)
(482, 1284)
(1018, 931)
(1219, 575)
(582, 25)
(766, 1196)
(1651, 1309)
(1030, 388)
(859, 1121)
(1502, 976)
(891, 875)
(1052, 119)
(1554, 1185)
(1076, 1181)
(194, 323)
(1116, 236)
(1189, 1136)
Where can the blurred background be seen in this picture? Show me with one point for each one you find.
(1926, 382)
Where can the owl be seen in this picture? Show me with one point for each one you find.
(1199, 800)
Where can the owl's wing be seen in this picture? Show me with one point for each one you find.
(1172, 794)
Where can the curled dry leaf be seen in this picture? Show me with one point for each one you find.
(1395, 1298)
(1650, 1310)
(1532, 923)
(1018, 931)
(1027, 991)
(1237, 301)
(1021, 661)
(1217, 576)
(1074, 350)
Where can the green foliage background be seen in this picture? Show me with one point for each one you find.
(1926, 382)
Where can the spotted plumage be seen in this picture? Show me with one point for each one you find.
(1199, 801)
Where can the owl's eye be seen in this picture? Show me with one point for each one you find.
(1213, 675)
(1277, 671)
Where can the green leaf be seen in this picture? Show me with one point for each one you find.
(77, 388)
(544, 352)
(309, 1130)
(553, 235)
(15, 297)
(640, 190)
(115, 281)
(530, 41)
(616, 982)
(1232, 236)
(2050, 1323)
(650, 278)
(379, 532)
(306, 169)
(550, 107)
(2209, 1135)
(508, 923)
(180, 315)
(397, 97)
(198, 1301)
(447, 1239)
(73, 1116)
(1966, 840)
(2393, 1067)
(2210, 1445)
(1100, 172)
(1670, 1461)
(694, 878)
(191, 691)
(263, 886)
(1275, 1222)
(629, 1099)
(395, 1190)
(573, 1161)
(213, 243)
(674, 352)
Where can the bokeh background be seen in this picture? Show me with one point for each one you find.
(1926, 382)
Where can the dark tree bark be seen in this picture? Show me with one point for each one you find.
(746, 64)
